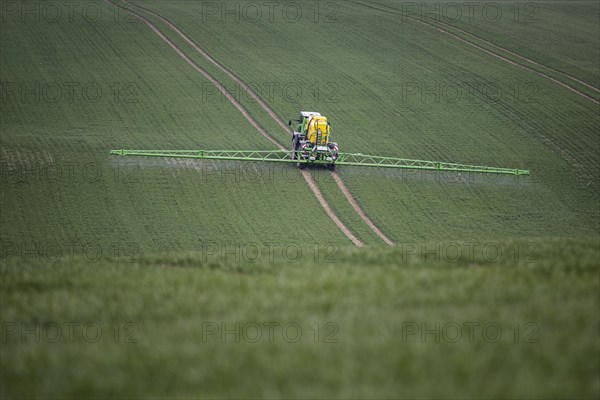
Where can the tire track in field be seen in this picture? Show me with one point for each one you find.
(499, 56)
(338, 180)
(529, 60)
(514, 53)
(217, 64)
(306, 174)
(359, 210)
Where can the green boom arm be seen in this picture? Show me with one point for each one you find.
(355, 159)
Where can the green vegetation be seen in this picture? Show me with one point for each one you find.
(375, 300)
(559, 34)
(166, 256)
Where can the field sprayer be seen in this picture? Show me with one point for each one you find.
(311, 140)
(311, 144)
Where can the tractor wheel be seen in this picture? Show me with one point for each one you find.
(331, 167)
(302, 165)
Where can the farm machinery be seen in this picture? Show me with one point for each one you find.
(311, 144)
(311, 140)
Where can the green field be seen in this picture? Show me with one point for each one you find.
(166, 277)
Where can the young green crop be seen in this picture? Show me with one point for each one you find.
(377, 322)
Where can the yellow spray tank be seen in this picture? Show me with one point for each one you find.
(318, 130)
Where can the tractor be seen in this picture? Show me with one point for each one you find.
(311, 141)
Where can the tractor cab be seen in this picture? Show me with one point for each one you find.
(302, 122)
(308, 114)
